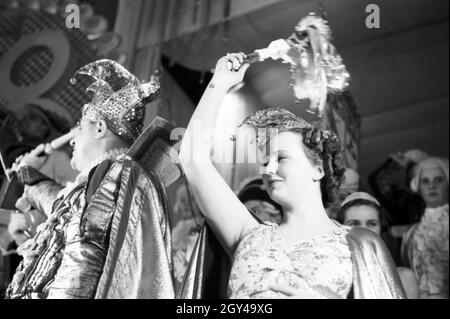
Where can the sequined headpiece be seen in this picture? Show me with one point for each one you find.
(276, 118)
(272, 120)
(117, 98)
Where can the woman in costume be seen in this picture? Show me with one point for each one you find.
(308, 255)
(361, 209)
(425, 246)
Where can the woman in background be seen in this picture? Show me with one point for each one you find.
(425, 246)
(363, 210)
(255, 197)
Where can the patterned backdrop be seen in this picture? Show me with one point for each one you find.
(32, 65)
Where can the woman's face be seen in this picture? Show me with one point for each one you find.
(363, 216)
(433, 187)
(287, 172)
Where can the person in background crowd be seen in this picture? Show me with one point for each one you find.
(185, 232)
(425, 246)
(403, 206)
(254, 196)
(360, 209)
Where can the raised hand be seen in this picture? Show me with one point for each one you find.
(230, 70)
(31, 159)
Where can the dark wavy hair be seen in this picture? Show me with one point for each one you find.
(323, 149)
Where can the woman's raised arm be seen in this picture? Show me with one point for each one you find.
(227, 216)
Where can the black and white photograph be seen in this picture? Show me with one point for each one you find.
(224, 155)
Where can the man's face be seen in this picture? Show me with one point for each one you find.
(83, 145)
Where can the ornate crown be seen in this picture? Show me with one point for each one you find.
(119, 98)
(270, 121)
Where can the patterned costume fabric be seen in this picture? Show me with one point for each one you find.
(42, 254)
(86, 250)
(319, 267)
(374, 275)
(426, 249)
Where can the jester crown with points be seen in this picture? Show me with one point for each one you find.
(119, 98)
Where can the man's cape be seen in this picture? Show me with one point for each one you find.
(139, 259)
(138, 262)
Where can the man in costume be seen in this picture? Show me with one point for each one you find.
(107, 234)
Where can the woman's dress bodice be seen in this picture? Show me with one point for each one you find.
(318, 267)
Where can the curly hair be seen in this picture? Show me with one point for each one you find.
(323, 149)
